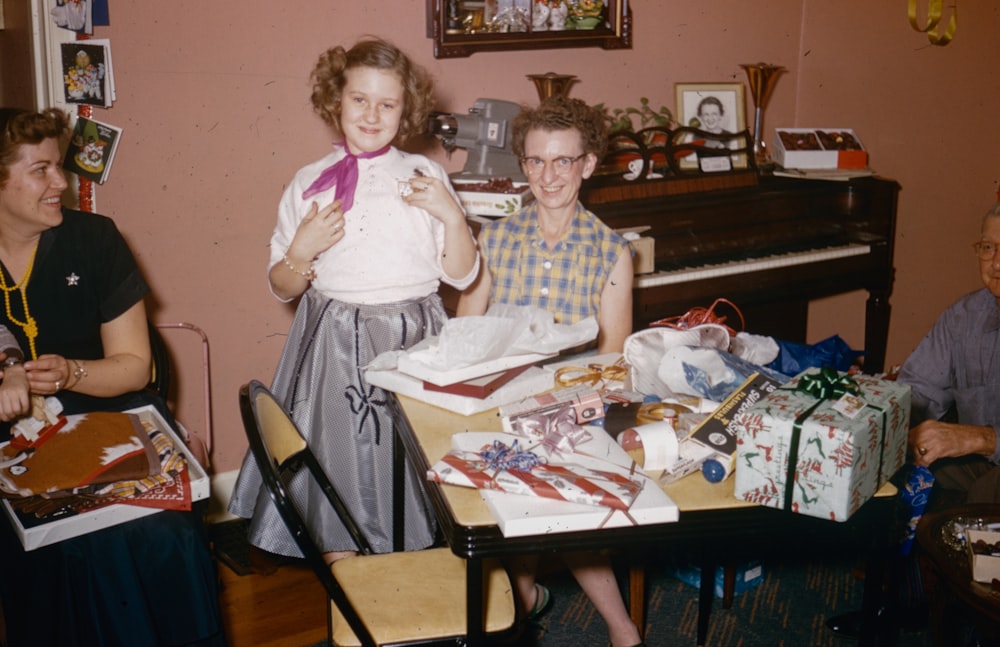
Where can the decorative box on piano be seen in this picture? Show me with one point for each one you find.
(643, 248)
(817, 148)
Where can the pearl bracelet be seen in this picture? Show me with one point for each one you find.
(309, 276)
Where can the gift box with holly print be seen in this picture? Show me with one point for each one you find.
(822, 444)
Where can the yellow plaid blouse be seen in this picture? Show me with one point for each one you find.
(567, 279)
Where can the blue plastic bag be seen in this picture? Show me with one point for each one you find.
(832, 352)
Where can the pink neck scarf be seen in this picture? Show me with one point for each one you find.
(343, 175)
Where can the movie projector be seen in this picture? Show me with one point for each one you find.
(485, 133)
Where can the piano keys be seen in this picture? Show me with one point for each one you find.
(769, 248)
(730, 268)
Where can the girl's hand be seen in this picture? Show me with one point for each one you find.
(431, 195)
(320, 230)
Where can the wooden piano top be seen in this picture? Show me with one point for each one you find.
(776, 214)
(739, 227)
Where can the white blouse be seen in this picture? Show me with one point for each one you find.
(390, 251)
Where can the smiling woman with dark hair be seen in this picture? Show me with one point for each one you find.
(73, 299)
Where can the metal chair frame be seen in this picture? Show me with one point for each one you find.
(280, 452)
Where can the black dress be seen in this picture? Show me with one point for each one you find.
(150, 581)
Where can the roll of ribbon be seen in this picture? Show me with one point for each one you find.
(658, 442)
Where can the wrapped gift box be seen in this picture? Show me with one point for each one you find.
(519, 515)
(582, 400)
(841, 449)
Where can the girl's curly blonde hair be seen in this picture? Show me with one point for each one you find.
(328, 79)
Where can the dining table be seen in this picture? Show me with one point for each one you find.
(714, 528)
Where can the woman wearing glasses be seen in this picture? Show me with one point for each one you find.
(957, 367)
(558, 256)
(555, 254)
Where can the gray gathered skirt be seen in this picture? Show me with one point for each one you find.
(320, 381)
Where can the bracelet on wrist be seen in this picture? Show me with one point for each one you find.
(78, 373)
(309, 275)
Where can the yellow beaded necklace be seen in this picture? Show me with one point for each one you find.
(29, 325)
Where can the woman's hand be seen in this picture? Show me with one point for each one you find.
(48, 374)
(15, 400)
(431, 195)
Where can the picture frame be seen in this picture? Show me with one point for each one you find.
(730, 96)
(717, 114)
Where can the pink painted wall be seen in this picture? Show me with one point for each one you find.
(213, 98)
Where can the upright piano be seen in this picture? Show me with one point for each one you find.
(769, 247)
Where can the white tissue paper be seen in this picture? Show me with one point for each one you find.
(662, 359)
(505, 337)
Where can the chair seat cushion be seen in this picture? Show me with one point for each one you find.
(417, 595)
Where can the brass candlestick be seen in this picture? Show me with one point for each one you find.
(761, 77)
(551, 84)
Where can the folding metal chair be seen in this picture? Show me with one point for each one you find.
(405, 598)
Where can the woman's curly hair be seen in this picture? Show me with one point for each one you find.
(562, 113)
(328, 79)
(19, 127)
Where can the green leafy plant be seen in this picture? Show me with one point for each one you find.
(621, 119)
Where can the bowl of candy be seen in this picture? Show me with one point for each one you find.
(496, 196)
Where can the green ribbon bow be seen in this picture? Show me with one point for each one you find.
(828, 384)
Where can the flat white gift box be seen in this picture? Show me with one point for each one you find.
(443, 377)
(843, 454)
(50, 532)
(519, 515)
(532, 381)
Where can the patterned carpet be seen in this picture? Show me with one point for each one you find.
(788, 608)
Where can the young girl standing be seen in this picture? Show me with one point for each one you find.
(364, 236)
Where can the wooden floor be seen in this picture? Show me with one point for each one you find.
(284, 609)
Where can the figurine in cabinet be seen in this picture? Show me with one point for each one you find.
(558, 10)
(540, 15)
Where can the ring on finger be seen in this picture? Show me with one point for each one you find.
(58, 384)
(337, 227)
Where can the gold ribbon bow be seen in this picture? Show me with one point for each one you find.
(934, 11)
(591, 374)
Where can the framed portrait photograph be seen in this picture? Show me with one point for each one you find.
(718, 112)
(712, 107)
